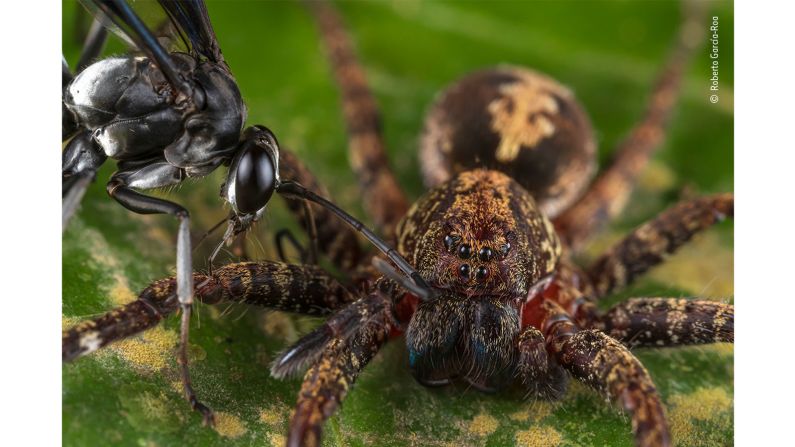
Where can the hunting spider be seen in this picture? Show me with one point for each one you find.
(508, 154)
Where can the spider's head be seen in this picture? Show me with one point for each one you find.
(253, 176)
(480, 235)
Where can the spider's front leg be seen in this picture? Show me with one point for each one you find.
(341, 348)
(606, 365)
(293, 288)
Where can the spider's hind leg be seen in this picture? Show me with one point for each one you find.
(382, 195)
(609, 193)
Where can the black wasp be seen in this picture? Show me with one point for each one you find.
(167, 116)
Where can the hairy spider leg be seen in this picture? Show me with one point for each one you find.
(609, 367)
(655, 322)
(652, 242)
(346, 349)
(383, 198)
(609, 193)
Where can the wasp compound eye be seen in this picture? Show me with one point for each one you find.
(255, 180)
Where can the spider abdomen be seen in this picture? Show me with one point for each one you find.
(516, 121)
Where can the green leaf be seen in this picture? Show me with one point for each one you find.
(608, 52)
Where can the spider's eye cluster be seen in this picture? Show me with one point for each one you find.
(464, 251)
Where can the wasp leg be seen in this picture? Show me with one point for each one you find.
(93, 45)
(149, 177)
(80, 161)
(669, 322)
(383, 198)
(653, 241)
(332, 237)
(340, 360)
(609, 193)
(607, 366)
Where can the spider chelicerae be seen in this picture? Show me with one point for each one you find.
(510, 307)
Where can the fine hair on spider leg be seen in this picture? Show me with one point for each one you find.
(340, 326)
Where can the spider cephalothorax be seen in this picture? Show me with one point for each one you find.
(479, 234)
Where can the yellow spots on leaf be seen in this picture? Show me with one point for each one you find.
(534, 412)
(704, 267)
(177, 386)
(68, 322)
(273, 415)
(657, 177)
(706, 405)
(277, 440)
(153, 412)
(150, 350)
(229, 425)
(279, 325)
(543, 436)
(483, 425)
(120, 292)
(724, 349)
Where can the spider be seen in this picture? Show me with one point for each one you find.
(508, 154)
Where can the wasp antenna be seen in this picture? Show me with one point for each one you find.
(423, 293)
(295, 190)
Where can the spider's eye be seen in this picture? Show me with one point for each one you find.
(450, 241)
(485, 254)
(505, 248)
(255, 179)
(464, 251)
(463, 271)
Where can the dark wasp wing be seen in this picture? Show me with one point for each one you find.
(124, 21)
(193, 23)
